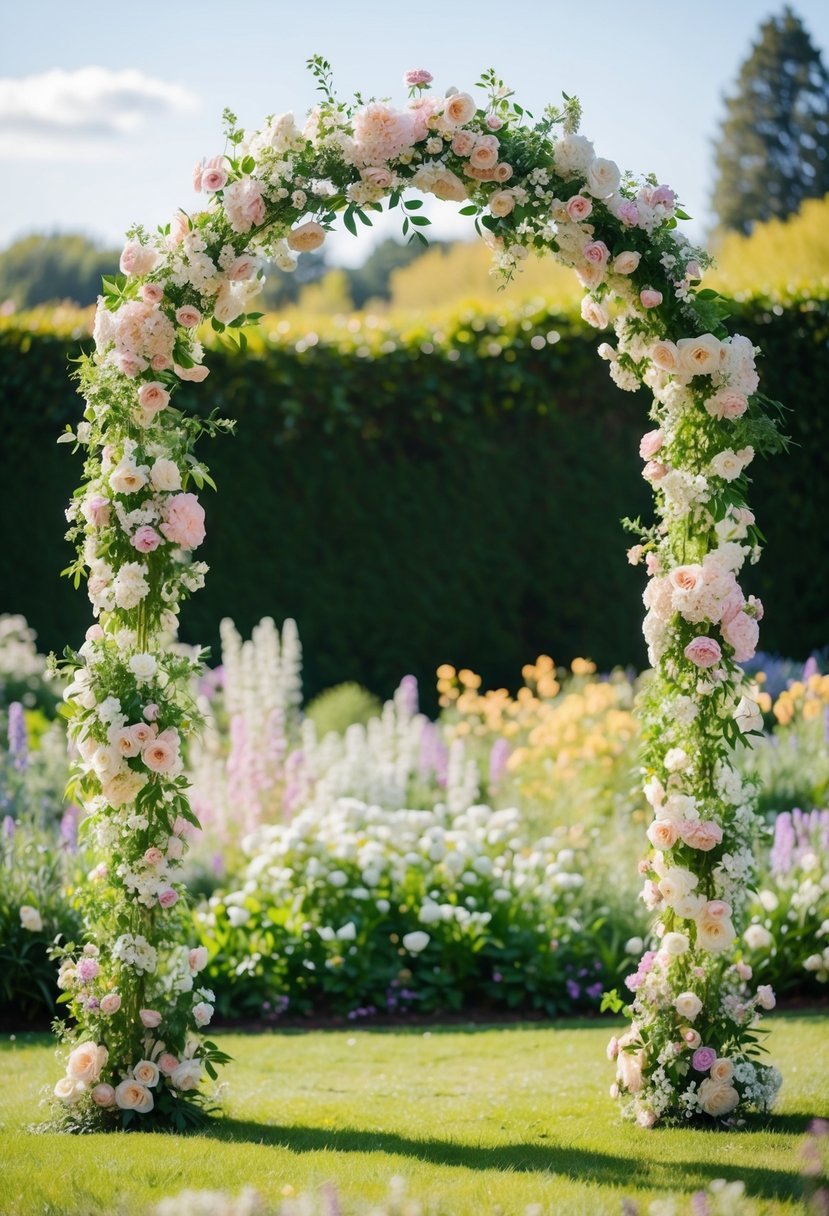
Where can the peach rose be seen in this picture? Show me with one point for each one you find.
(241, 268)
(716, 1098)
(665, 355)
(187, 1075)
(153, 396)
(463, 143)
(502, 172)
(626, 262)
(501, 203)
(86, 1062)
(378, 176)
(146, 1073)
(663, 834)
(458, 109)
(184, 521)
(722, 1070)
(306, 237)
(69, 1091)
(125, 743)
(103, 1095)
(485, 153)
(132, 1095)
(161, 754)
(449, 187)
(142, 733)
(701, 834)
(715, 936)
(165, 474)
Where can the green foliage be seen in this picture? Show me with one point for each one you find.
(413, 486)
(335, 709)
(41, 269)
(774, 147)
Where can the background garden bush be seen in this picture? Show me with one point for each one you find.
(447, 491)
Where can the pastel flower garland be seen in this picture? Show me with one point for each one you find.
(132, 986)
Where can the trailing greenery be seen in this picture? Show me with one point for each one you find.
(408, 483)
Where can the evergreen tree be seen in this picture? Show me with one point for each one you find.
(773, 150)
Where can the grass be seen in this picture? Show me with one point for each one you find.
(471, 1117)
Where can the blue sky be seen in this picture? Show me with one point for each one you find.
(104, 108)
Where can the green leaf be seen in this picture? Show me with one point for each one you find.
(348, 220)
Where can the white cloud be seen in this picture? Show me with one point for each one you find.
(75, 112)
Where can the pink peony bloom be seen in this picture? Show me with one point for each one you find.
(381, 134)
(87, 970)
(703, 652)
(628, 213)
(663, 196)
(244, 204)
(703, 1058)
(184, 521)
(151, 712)
(704, 834)
(650, 298)
(145, 539)
(150, 1018)
(742, 632)
(416, 78)
(650, 444)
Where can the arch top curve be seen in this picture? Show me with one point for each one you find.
(532, 186)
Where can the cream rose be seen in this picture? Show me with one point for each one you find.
(132, 1095)
(68, 1090)
(675, 944)
(722, 1071)
(717, 1098)
(663, 834)
(626, 262)
(699, 356)
(103, 1095)
(86, 1062)
(307, 237)
(165, 474)
(665, 355)
(187, 1075)
(458, 109)
(30, 918)
(603, 177)
(688, 1005)
(501, 203)
(714, 934)
(146, 1073)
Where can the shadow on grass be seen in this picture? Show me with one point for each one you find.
(583, 1165)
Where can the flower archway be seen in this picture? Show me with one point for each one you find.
(132, 987)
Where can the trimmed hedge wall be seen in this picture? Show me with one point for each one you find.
(445, 496)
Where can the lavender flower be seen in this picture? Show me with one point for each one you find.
(18, 737)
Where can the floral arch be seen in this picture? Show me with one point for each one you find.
(132, 987)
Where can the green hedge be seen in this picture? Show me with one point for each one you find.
(447, 496)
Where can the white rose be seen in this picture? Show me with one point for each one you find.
(416, 942)
(727, 465)
(717, 1098)
(202, 1013)
(165, 475)
(127, 477)
(187, 1075)
(757, 937)
(146, 1073)
(68, 1090)
(143, 667)
(674, 944)
(715, 934)
(603, 177)
(688, 1005)
(30, 918)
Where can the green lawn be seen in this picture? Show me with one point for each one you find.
(471, 1117)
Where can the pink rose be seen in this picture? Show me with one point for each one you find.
(579, 208)
(145, 539)
(727, 403)
(87, 970)
(195, 374)
(463, 143)
(650, 444)
(179, 227)
(662, 834)
(110, 1003)
(137, 258)
(596, 252)
(687, 578)
(377, 176)
(151, 293)
(703, 652)
(198, 173)
(717, 909)
(94, 633)
(742, 632)
(650, 298)
(153, 396)
(184, 521)
(141, 734)
(153, 856)
(485, 153)
(494, 122)
(416, 78)
(243, 267)
(150, 712)
(130, 365)
(214, 175)
(150, 1018)
(704, 835)
(167, 897)
(691, 1037)
(175, 848)
(654, 471)
(188, 316)
(167, 1063)
(703, 1058)
(160, 363)
(459, 109)
(103, 1095)
(197, 959)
